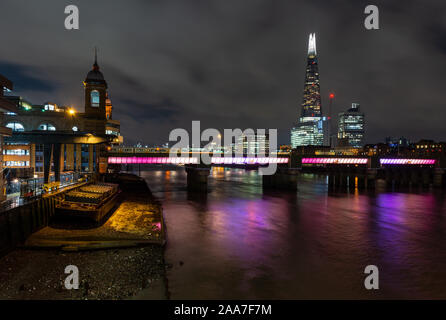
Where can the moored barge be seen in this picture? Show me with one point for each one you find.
(91, 202)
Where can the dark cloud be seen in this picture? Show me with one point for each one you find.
(233, 63)
(25, 77)
(164, 110)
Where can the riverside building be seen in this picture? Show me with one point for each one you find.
(27, 160)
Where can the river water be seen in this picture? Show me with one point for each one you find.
(238, 242)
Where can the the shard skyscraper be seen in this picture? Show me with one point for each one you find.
(311, 126)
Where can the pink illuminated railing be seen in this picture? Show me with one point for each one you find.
(194, 160)
(408, 161)
(334, 161)
(265, 160)
(151, 160)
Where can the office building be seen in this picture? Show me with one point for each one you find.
(351, 128)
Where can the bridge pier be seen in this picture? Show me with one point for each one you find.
(337, 178)
(352, 180)
(426, 177)
(405, 177)
(331, 180)
(371, 178)
(414, 178)
(362, 181)
(284, 179)
(389, 177)
(438, 180)
(57, 147)
(47, 151)
(197, 178)
(343, 179)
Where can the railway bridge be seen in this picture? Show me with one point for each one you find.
(342, 171)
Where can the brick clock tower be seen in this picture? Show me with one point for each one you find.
(95, 93)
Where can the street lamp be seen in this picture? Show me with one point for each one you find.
(72, 112)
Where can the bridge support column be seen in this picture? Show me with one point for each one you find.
(283, 179)
(426, 177)
(331, 179)
(414, 177)
(56, 161)
(362, 181)
(47, 148)
(389, 177)
(343, 179)
(351, 180)
(371, 177)
(439, 178)
(405, 178)
(197, 178)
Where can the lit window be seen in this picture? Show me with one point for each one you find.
(16, 152)
(16, 163)
(95, 98)
(16, 126)
(49, 107)
(110, 132)
(47, 127)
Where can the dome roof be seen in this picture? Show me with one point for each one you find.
(94, 75)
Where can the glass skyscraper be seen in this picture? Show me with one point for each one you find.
(351, 127)
(311, 128)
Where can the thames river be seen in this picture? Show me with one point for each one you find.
(238, 242)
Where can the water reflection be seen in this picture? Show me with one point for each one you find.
(240, 242)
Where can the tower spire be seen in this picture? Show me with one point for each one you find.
(311, 128)
(95, 65)
(312, 44)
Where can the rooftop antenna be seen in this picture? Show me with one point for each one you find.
(95, 65)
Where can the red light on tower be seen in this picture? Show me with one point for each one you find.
(331, 95)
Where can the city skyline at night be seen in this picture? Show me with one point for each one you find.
(222, 159)
(244, 74)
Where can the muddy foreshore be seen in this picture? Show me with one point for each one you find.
(120, 273)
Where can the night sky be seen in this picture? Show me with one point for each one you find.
(233, 63)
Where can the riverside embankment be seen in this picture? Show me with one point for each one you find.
(120, 259)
